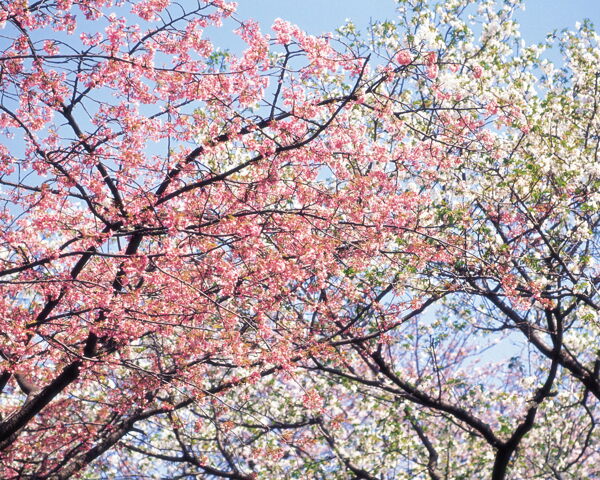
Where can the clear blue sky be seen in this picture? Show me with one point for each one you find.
(318, 16)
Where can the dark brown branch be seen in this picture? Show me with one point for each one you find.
(433, 455)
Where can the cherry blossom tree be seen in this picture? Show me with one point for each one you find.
(368, 255)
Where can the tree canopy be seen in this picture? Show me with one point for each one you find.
(367, 255)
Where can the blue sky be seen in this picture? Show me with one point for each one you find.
(318, 16)
(541, 16)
